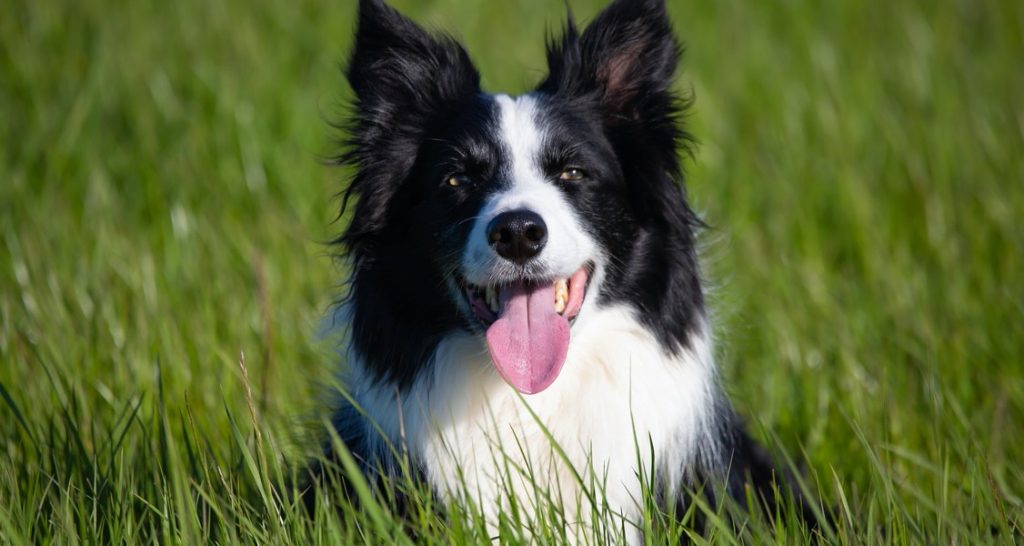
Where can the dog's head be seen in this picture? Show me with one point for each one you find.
(513, 218)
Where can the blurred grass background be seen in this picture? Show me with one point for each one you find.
(163, 209)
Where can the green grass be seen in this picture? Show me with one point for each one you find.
(163, 207)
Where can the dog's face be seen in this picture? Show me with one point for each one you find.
(512, 218)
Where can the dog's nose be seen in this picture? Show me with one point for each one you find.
(517, 235)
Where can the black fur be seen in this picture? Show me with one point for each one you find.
(406, 83)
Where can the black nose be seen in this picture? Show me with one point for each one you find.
(517, 235)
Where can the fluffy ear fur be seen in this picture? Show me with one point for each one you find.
(625, 58)
(623, 65)
(404, 80)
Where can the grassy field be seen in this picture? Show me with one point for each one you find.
(163, 209)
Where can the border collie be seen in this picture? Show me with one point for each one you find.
(524, 286)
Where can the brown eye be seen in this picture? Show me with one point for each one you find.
(458, 180)
(572, 175)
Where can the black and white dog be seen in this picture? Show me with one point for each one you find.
(524, 269)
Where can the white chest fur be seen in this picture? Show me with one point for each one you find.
(619, 400)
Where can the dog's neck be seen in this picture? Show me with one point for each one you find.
(621, 401)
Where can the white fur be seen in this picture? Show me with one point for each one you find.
(618, 391)
(568, 246)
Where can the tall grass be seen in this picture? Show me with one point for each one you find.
(163, 210)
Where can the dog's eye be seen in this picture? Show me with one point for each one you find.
(572, 175)
(458, 180)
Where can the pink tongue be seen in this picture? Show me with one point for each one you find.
(529, 341)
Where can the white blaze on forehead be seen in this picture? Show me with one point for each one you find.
(527, 187)
(521, 137)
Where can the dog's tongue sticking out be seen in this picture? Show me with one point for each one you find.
(529, 341)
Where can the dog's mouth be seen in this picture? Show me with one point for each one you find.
(488, 302)
(527, 325)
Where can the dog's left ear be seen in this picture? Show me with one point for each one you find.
(624, 63)
(627, 55)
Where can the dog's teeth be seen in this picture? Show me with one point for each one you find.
(561, 295)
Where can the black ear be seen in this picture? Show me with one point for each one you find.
(396, 63)
(624, 64)
(627, 55)
(404, 80)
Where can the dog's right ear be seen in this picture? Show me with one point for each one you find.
(404, 80)
(398, 68)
